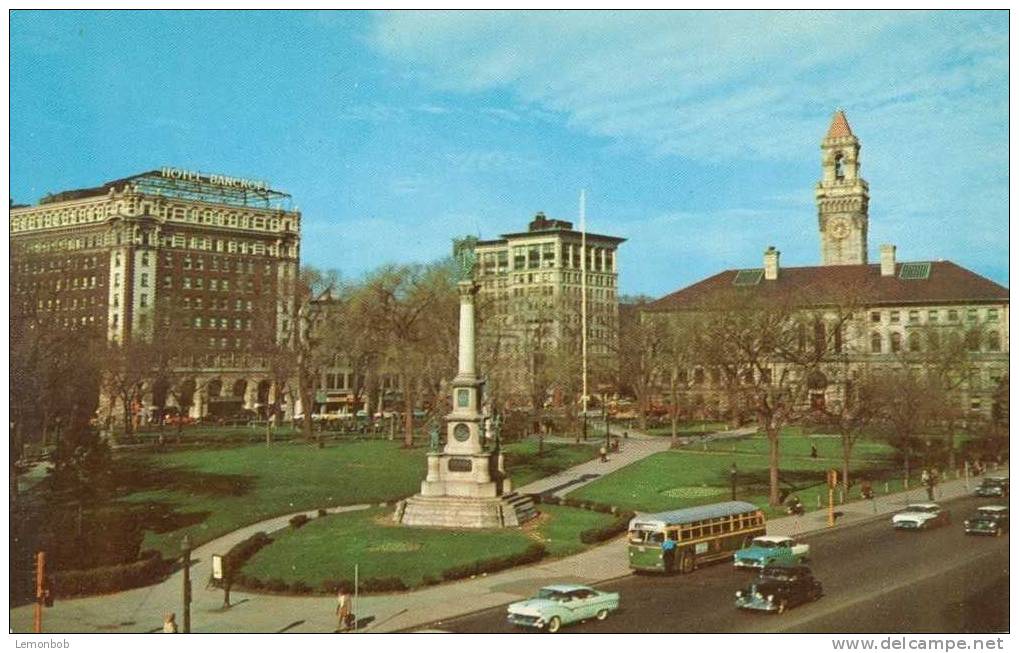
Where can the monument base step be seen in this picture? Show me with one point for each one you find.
(465, 512)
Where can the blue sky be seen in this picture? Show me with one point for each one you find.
(696, 134)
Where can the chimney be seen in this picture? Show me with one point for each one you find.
(888, 260)
(771, 263)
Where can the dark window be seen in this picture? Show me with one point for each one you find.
(896, 342)
(914, 341)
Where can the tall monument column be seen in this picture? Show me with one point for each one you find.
(464, 486)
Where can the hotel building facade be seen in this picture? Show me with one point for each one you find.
(211, 259)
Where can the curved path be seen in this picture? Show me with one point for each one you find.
(141, 610)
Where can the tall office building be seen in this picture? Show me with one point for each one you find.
(210, 259)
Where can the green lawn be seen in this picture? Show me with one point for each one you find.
(795, 441)
(328, 547)
(210, 492)
(679, 479)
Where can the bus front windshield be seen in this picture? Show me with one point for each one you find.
(646, 537)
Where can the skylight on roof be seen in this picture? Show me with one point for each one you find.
(915, 270)
(748, 277)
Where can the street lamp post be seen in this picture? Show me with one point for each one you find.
(185, 548)
(732, 477)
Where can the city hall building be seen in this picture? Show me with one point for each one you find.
(210, 258)
(901, 309)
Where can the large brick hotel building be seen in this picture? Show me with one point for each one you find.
(213, 259)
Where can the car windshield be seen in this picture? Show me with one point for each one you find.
(989, 513)
(919, 508)
(776, 573)
(764, 544)
(552, 595)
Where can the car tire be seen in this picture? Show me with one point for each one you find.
(554, 624)
(602, 615)
(782, 606)
(686, 563)
(997, 532)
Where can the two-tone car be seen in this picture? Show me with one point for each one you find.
(920, 516)
(988, 520)
(557, 605)
(779, 587)
(993, 486)
(770, 549)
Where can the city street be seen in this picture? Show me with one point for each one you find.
(875, 580)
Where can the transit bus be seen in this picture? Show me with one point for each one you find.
(696, 535)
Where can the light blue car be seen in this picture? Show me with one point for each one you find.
(770, 549)
(557, 605)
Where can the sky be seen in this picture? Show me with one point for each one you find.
(695, 134)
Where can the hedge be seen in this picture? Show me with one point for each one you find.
(242, 552)
(533, 553)
(115, 578)
(595, 535)
(299, 520)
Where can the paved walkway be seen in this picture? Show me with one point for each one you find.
(141, 610)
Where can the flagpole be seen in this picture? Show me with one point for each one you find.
(583, 303)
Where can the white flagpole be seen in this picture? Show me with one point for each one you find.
(583, 301)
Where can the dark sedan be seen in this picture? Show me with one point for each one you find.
(988, 520)
(993, 486)
(778, 588)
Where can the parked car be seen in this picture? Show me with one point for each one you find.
(779, 587)
(988, 520)
(918, 516)
(993, 486)
(770, 549)
(557, 605)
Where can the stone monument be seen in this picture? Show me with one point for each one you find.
(466, 485)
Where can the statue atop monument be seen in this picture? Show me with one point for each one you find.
(463, 254)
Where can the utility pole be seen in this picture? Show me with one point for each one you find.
(732, 477)
(185, 547)
(583, 304)
(833, 479)
(40, 588)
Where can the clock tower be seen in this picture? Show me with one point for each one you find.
(842, 197)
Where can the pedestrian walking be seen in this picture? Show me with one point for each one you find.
(813, 451)
(343, 613)
(604, 454)
(928, 480)
(169, 623)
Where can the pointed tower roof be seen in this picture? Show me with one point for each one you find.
(839, 126)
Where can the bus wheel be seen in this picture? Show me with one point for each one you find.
(686, 564)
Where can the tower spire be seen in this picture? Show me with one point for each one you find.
(839, 126)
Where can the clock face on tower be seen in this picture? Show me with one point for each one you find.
(461, 432)
(838, 228)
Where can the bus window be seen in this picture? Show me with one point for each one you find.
(674, 535)
(655, 538)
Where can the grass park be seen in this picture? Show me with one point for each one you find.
(327, 547)
(210, 492)
(700, 473)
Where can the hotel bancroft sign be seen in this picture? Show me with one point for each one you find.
(217, 180)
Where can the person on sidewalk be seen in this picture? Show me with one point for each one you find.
(604, 454)
(169, 623)
(343, 614)
(928, 480)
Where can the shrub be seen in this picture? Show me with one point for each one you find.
(333, 586)
(300, 587)
(299, 520)
(595, 535)
(429, 580)
(241, 552)
(103, 580)
(383, 584)
(253, 582)
(322, 512)
(533, 553)
(276, 585)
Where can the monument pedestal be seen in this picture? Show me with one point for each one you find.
(466, 486)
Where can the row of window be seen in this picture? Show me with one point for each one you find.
(198, 322)
(231, 219)
(255, 248)
(35, 266)
(217, 264)
(218, 285)
(974, 340)
(933, 316)
(217, 303)
(71, 305)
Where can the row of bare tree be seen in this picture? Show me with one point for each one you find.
(781, 360)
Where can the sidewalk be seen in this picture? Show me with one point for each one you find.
(141, 610)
